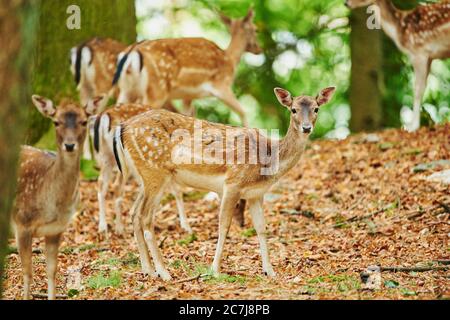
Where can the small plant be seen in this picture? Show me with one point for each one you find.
(100, 280)
(189, 239)
(249, 233)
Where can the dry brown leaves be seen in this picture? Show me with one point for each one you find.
(318, 238)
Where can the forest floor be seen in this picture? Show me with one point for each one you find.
(347, 205)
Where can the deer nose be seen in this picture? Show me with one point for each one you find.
(69, 147)
(307, 128)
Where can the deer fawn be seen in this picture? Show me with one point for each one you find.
(47, 192)
(422, 34)
(103, 144)
(154, 72)
(148, 145)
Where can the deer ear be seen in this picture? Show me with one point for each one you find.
(95, 104)
(44, 105)
(325, 95)
(250, 15)
(225, 19)
(283, 96)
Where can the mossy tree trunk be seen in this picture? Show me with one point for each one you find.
(51, 73)
(366, 74)
(17, 45)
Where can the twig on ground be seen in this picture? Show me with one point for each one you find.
(161, 244)
(415, 269)
(189, 279)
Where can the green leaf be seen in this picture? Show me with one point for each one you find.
(189, 239)
(385, 146)
(249, 232)
(391, 284)
(72, 293)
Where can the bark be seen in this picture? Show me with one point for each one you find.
(14, 93)
(51, 73)
(366, 74)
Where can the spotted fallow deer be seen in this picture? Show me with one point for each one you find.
(103, 145)
(156, 71)
(93, 64)
(149, 146)
(422, 33)
(47, 192)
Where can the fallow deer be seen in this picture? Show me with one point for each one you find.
(103, 145)
(92, 64)
(47, 192)
(421, 33)
(149, 146)
(156, 71)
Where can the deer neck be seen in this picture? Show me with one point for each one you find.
(237, 46)
(291, 147)
(65, 176)
(391, 20)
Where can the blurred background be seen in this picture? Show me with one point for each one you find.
(307, 45)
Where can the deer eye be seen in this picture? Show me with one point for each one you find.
(84, 123)
(56, 123)
(294, 110)
(316, 110)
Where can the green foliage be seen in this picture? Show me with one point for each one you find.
(102, 280)
(88, 169)
(188, 240)
(248, 233)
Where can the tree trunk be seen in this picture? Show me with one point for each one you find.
(51, 73)
(366, 74)
(14, 94)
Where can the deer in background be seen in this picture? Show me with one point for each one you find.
(103, 145)
(92, 64)
(422, 33)
(147, 146)
(47, 192)
(154, 72)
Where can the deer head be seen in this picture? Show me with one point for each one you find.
(246, 28)
(358, 3)
(304, 109)
(69, 118)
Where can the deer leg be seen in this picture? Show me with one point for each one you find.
(229, 199)
(188, 108)
(180, 207)
(257, 213)
(146, 264)
(24, 243)
(51, 255)
(228, 97)
(151, 201)
(118, 192)
(103, 183)
(87, 147)
(421, 71)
